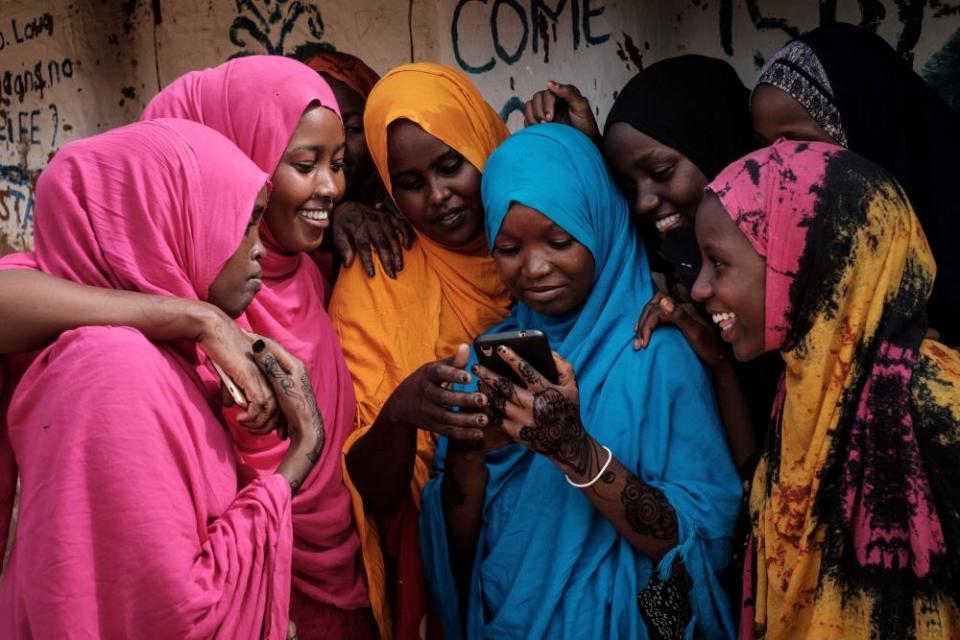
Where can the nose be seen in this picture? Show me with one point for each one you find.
(329, 186)
(647, 201)
(535, 266)
(703, 286)
(439, 192)
(257, 251)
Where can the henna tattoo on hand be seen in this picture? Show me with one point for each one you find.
(295, 486)
(530, 375)
(647, 510)
(505, 388)
(316, 418)
(558, 432)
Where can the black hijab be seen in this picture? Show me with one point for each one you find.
(695, 104)
(698, 106)
(892, 117)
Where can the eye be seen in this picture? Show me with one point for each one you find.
(355, 129)
(337, 165)
(409, 183)
(662, 173)
(561, 244)
(304, 167)
(506, 250)
(451, 165)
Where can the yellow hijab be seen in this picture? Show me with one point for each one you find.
(389, 328)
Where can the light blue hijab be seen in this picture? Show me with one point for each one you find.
(548, 564)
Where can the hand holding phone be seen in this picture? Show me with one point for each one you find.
(531, 345)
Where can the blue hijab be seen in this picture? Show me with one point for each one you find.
(548, 564)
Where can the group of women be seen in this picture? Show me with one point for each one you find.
(371, 479)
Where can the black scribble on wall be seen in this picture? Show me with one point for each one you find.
(909, 13)
(268, 23)
(942, 71)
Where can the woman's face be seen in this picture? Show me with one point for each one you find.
(542, 265)
(661, 184)
(731, 284)
(358, 163)
(777, 115)
(436, 188)
(240, 278)
(308, 182)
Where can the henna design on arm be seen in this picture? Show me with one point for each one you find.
(319, 431)
(647, 510)
(558, 432)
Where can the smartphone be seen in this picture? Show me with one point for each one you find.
(235, 392)
(531, 345)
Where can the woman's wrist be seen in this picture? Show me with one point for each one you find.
(585, 463)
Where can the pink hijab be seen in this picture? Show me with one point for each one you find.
(130, 523)
(257, 102)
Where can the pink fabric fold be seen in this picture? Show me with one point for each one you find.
(11, 368)
(130, 520)
(257, 102)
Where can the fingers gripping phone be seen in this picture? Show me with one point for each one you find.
(531, 345)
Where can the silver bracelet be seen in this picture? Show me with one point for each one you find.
(603, 470)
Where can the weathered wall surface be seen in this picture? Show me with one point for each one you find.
(69, 69)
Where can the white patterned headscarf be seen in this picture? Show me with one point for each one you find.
(796, 70)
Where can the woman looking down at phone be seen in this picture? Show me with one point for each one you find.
(620, 485)
(131, 524)
(429, 133)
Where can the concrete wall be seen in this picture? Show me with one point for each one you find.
(69, 69)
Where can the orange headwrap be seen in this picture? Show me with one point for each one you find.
(389, 328)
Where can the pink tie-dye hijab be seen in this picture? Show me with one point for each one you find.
(130, 521)
(257, 102)
(854, 502)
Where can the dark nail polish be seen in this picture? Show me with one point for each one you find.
(475, 368)
(259, 346)
(501, 349)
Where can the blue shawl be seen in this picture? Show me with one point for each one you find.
(548, 564)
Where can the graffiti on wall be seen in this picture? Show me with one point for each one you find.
(28, 120)
(268, 23)
(909, 13)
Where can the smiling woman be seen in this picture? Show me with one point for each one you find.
(654, 492)
(855, 530)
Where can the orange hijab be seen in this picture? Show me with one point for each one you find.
(389, 328)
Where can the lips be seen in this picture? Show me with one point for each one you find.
(452, 217)
(542, 293)
(667, 223)
(319, 218)
(725, 320)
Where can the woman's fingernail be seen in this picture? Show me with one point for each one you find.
(501, 349)
(259, 346)
(464, 379)
(478, 435)
(481, 400)
(482, 420)
(475, 368)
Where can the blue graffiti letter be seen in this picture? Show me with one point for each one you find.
(506, 57)
(455, 39)
(590, 13)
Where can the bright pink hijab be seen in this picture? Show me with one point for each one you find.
(130, 520)
(257, 102)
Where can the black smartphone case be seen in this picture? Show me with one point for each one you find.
(531, 345)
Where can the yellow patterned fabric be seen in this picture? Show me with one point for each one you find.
(856, 501)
